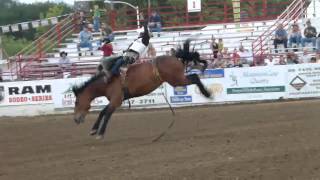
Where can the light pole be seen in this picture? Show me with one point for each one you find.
(134, 7)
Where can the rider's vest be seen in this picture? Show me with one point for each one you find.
(138, 47)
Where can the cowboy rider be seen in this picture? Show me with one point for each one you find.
(131, 55)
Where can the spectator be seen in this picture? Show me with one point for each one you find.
(214, 48)
(295, 35)
(236, 58)
(306, 56)
(245, 55)
(96, 18)
(83, 20)
(172, 52)
(317, 57)
(1, 79)
(292, 58)
(313, 60)
(106, 48)
(141, 18)
(243, 15)
(282, 60)
(107, 32)
(155, 23)
(310, 33)
(220, 45)
(269, 61)
(64, 61)
(85, 38)
(281, 37)
(152, 53)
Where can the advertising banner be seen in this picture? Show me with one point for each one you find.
(192, 95)
(25, 93)
(64, 97)
(255, 83)
(303, 81)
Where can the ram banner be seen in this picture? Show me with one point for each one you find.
(25, 93)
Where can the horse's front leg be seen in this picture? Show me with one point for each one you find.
(95, 127)
(103, 124)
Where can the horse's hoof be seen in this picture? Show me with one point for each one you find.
(93, 132)
(99, 137)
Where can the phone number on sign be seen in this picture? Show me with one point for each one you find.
(139, 101)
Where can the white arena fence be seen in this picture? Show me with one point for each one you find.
(28, 98)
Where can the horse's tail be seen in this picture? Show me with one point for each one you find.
(190, 56)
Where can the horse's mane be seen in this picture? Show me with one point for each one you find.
(77, 89)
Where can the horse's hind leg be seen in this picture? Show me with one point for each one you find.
(194, 79)
(98, 121)
(188, 80)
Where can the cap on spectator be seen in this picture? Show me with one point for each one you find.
(63, 53)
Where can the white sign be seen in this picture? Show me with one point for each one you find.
(192, 95)
(64, 97)
(25, 93)
(255, 83)
(194, 5)
(303, 81)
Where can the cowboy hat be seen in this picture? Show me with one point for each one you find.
(63, 52)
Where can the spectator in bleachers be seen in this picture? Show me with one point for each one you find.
(245, 55)
(282, 60)
(292, 58)
(317, 57)
(306, 56)
(310, 34)
(155, 22)
(172, 52)
(1, 79)
(281, 37)
(269, 61)
(295, 35)
(83, 20)
(220, 45)
(85, 38)
(64, 61)
(96, 18)
(106, 48)
(214, 47)
(236, 58)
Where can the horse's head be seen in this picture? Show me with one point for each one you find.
(82, 104)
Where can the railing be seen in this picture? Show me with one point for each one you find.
(213, 12)
(37, 50)
(293, 12)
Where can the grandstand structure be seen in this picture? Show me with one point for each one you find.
(40, 59)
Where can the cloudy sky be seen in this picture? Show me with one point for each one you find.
(31, 1)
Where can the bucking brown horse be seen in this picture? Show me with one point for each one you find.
(140, 79)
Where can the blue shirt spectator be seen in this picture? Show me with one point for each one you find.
(85, 40)
(155, 23)
(281, 37)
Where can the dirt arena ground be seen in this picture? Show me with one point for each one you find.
(254, 141)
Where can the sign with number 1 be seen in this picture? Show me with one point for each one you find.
(194, 5)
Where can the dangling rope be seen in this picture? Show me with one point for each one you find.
(170, 125)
